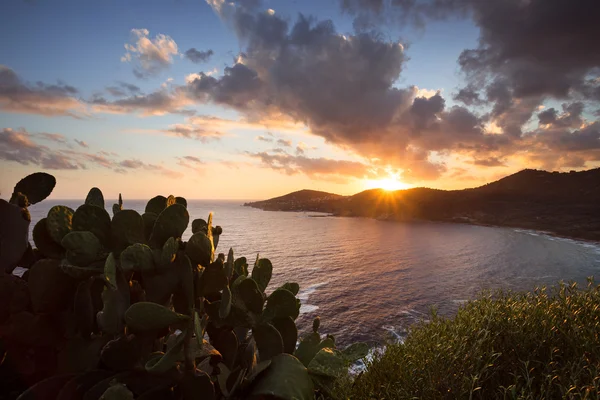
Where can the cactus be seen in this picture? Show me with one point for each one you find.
(133, 311)
(172, 222)
(82, 247)
(59, 222)
(95, 198)
(156, 205)
(199, 249)
(44, 242)
(127, 228)
(14, 231)
(36, 187)
(261, 273)
(93, 219)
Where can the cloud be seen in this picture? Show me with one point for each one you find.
(82, 143)
(197, 56)
(191, 162)
(160, 102)
(261, 138)
(193, 131)
(316, 168)
(123, 89)
(149, 56)
(284, 142)
(18, 96)
(53, 137)
(489, 162)
(20, 146)
(344, 87)
(137, 164)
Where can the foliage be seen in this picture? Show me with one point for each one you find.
(123, 308)
(540, 345)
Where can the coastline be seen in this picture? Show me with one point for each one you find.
(466, 221)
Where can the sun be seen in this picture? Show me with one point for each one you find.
(390, 183)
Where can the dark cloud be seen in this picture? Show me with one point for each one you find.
(197, 56)
(570, 118)
(18, 146)
(468, 95)
(123, 89)
(37, 98)
(529, 53)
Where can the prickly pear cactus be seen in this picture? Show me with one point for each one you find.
(124, 308)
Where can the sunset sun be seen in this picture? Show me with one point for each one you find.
(390, 183)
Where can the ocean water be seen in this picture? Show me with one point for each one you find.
(370, 280)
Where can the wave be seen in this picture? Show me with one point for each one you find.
(303, 295)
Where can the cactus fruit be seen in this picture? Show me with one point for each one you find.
(59, 222)
(36, 187)
(95, 198)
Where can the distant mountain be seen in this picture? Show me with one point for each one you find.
(563, 203)
(302, 200)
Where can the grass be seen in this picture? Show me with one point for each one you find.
(539, 345)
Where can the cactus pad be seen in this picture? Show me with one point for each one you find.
(172, 222)
(59, 222)
(95, 198)
(36, 186)
(93, 219)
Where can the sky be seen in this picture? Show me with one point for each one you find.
(250, 99)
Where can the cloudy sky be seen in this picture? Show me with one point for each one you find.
(251, 99)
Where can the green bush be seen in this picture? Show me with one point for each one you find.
(540, 345)
(122, 308)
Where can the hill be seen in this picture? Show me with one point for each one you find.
(566, 204)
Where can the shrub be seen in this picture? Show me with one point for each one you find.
(540, 345)
(123, 308)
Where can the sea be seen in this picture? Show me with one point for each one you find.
(371, 280)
